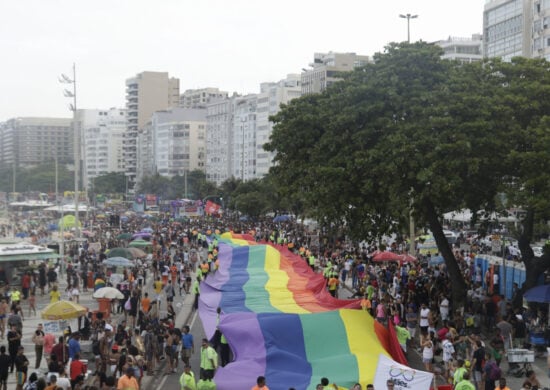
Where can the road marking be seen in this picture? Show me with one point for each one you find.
(162, 382)
(193, 320)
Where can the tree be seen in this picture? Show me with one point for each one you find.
(155, 184)
(528, 182)
(110, 183)
(409, 129)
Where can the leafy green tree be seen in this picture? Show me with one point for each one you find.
(528, 181)
(409, 129)
(110, 183)
(155, 184)
(38, 178)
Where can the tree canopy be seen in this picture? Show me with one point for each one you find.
(409, 130)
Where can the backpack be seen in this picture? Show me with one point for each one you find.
(494, 371)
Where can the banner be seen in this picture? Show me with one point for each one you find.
(150, 200)
(404, 378)
(55, 326)
(211, 208)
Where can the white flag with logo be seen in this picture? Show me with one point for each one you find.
(403, 377)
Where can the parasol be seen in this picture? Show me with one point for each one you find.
(108, 293)
(63, 310)
(139, 244)
(118, 262)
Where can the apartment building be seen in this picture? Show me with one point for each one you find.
(29, 141)
(516, 28)
(146, 93)
(462, 49)
(325, 67)
(173, 143)
(200, 98)
(102, 142)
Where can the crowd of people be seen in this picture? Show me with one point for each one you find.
(138, 335)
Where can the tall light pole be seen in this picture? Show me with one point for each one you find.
(243, 120)
(76, 130)
(408, 17)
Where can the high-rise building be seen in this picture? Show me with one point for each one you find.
(462, 49)
(199, 98)
(231, 139)
(219, 119)
(102, 139)
(146, 93)
(325, 68)
(516, 28)
(178, 140)
(271, 96)
(33, 140)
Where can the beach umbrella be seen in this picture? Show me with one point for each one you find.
(406, 258)
(146, 230)
(22, 235)
(99, 283)
(139, 244)
(282, 218)
(540, 294)
(118, 262)
(138, 253)
(63, 310)
(108, 293)
(436, 260)
(141, 235)
(120, 252)
(124, 236)
(386, 256)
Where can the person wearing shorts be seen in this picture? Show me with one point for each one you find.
(21, 366)
(424, 319)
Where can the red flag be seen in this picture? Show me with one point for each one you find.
(211, 208)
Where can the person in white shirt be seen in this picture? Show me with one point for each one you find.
(448, 353)
(424, 319)
(444, 308)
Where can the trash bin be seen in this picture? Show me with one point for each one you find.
(104, 306)
(90, 280)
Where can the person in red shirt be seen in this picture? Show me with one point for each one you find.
(78, 369)
(26, 284)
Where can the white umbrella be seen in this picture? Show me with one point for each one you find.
(108, 292)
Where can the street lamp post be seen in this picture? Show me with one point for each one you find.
(67, 80)
(408, 17)
(243, 120)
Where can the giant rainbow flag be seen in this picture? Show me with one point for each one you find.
(280, 322)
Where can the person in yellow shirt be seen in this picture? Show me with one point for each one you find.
(55, 295)
(157, 285)
(187, 379)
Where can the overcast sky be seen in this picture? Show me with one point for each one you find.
(230, 44)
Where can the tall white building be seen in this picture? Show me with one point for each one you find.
(271, 97)
(516, 28)
(174, 142)
(199, 98)
(146, 93)
(102, 142)
(325, 68)
(219, 119)
(231, 139)
(239, 127)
